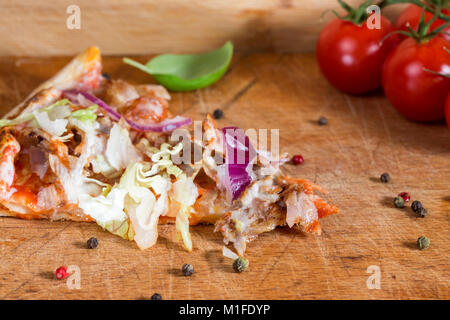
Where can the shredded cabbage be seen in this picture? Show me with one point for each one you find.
(86, 114)
(100, 165)
(120, 152)
(184, 192)
(134, 204)
(55, 127)
(142, 206)
(53, 118)
(30, 116)
(229, 254)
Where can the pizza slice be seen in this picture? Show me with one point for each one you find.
(84, 147)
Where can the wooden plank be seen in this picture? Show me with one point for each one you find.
(38, 27)
(364, 138)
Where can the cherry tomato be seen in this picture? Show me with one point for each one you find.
(447, 111)
(418, 94)
(351, 57)
(412, 16)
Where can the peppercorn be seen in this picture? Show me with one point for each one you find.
(297, 159)
(188, 270)
(92, 243)
(106, 76)
(423, 243)
(218, 114)
(385, 177)
(416, 206)
(405, 196)
(399, 202)
(422, 212)
(240, 264)
(61, 273)
(156, 296)
(322, 121)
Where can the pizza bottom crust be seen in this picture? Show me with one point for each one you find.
(60, 216)
(55, 216)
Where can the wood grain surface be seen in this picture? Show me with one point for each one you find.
(364, 138)
(154, 26)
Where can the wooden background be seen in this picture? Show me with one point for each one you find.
(364, 138)
(38, 27)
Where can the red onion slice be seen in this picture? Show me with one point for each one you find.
(164, 126)
(239, 155)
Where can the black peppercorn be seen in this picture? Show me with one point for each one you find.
(106, 76)
(156, 296)
(416, 206)
(385, 177)
(422, 212)
(218, 114)
(188, 270)
(240, 264)
(322, 121)
(423, 243)
(399, 202)
(92, 243)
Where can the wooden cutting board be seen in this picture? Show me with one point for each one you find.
(364, 138)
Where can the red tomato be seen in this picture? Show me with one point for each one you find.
(412, 15)
(418, 95)
(351, 57)
(447, 111)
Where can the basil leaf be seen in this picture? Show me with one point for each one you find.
(185, 72)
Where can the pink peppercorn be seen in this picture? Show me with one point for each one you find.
(405, 196)
(297, 159)
(61, 273)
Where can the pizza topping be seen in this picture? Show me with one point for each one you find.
(301, 210)
(229, 254)
(120, 151)
(48, 198)
(9, 148)
(26, 117)
(239, 155)
(144, 110)
(185, 193)
(119, 93)
(166, 125)
(55, 127)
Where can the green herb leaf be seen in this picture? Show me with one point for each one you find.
(185, 72)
